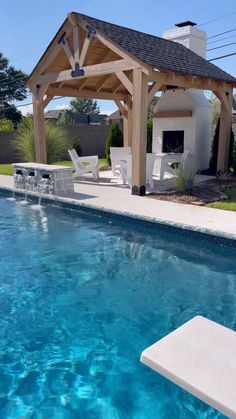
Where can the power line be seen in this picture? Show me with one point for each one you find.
(221, 33)
(222, 46)
(27, 104)
(222, 56)
(218, 18)
(222, 39)
(12, 79)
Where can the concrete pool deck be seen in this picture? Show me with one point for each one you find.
(109, 195)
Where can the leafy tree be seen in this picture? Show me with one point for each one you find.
(85, 106)
(114, 139)
(152, 106)
(65, 118)
(55, 140)
(6, 125)
(12, 87)
(149, 135)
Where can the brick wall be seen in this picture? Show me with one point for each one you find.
(92, 139)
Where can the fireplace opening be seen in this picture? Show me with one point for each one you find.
(173, 142)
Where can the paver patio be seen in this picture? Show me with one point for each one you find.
(112, 197)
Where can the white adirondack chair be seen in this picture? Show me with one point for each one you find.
(169, 165)
(117, 154)
(126, 169)
(80, 169)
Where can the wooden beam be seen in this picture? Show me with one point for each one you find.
(82, 84)
(72, 92)
(188, 82)
(103, 57)
(47, 100)
(223, 98)
(101, 82)
(125, 81)
(173, 114)
(127, 124)
(50, 54)
(225, 131)
(76, 41)
(139, 132)
(116, 86)
(152, 90)
(89, 71)
(136, 63)
(121, 108)
(68, 52)
(41, 90)
(85, 50)
(39, 131)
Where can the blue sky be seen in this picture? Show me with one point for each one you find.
(26, 27)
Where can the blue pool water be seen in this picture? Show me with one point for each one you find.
(82, 295)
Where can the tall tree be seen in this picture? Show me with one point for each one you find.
(12, 87)
(88, 106)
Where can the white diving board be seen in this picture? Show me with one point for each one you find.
(200, 357)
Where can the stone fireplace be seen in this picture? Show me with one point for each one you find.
(182, 118)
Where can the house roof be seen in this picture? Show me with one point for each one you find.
(53, 114)
(161, 53)
(76, 118)
(114, 115)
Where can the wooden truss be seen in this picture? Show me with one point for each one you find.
(82, 62)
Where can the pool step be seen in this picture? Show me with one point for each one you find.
(200, 357)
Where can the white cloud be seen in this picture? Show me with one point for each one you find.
(62, 106)
(107, 112)
(26, 109)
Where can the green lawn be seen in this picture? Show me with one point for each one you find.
(6, 169)
(229, 205)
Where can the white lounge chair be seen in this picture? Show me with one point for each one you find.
(80, 169)
(117, 154)
(169, 165)
(126, 169)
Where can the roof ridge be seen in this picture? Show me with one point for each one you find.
(127, 28)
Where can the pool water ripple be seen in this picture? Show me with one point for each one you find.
(81, 297)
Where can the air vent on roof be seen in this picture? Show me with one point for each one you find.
(186, 23)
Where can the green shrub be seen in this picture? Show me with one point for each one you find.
(114, 139)
(6, 125)
(149, 135)
(75, 143)
(183, 176)
(55, 140)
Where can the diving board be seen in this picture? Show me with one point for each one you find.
(200, 357)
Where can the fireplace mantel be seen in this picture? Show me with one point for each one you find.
(173, 114)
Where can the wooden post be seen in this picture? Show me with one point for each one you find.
(139, 132)
(127, 125)
(225, 130)
(39, 131)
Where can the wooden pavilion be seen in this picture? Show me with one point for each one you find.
(90, 58)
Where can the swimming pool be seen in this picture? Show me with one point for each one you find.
(82, 295)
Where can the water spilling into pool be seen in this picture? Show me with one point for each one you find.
(81, 296)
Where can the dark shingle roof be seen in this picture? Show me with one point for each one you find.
(158, 52)
(53, 114)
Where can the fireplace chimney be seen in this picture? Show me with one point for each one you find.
(188, 35)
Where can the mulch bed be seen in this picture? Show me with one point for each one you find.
(209, 191)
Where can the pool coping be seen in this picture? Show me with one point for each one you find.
(74, 204)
